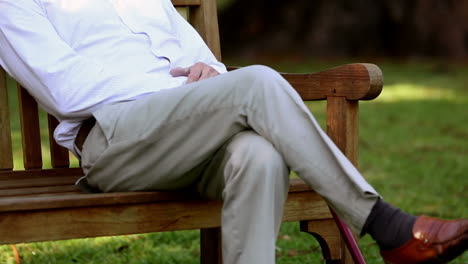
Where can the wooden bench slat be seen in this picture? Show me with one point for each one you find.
(39, 195)
(205, 20)
(30, 130)
(58, 154)
(119, 219)
(296, 184)
(83, 200)
(6, 157)
(36, 202)
(37, 182)
(109, 220)
(58, 194)
(186, 2)
(36, 173)
(49, 190)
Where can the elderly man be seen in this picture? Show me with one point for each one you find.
(144, 104)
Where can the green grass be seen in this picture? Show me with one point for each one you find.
(413, 149)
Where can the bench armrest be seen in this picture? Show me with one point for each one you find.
(357, 81)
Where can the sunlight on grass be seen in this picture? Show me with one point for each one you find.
(410, 91)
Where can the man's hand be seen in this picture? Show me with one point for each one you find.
(197, 72)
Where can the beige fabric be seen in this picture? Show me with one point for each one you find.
(232, 137)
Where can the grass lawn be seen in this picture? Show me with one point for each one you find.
(413, 149)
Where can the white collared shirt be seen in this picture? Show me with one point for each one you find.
(74, 56)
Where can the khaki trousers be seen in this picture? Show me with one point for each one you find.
(233, 137)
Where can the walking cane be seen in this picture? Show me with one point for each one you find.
(349, 239)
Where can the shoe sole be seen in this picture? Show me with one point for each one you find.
(455, 251)
(449, 255)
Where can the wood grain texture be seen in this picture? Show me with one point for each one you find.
(376, 81)
(23, 203)
(352, 81)
(58, 154)
(34, 191)
(358, 81)
(26, 198)
(186, 2)
(343, 129)
(204, 19)
(211, 246)
(37, 182)
(342, 125)
(115, 219)
(30, 130)
(40, 173)
(6, 152)
(327, 234)
(298, 185)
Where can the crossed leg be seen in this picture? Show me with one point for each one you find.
(234, 136)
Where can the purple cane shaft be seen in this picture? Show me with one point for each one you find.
(349, 239)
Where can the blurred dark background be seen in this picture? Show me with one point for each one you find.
(345, 28)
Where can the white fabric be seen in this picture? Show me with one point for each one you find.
(75, 56)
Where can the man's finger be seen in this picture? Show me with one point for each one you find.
(208, 72)
(195, 73)
(179, 71)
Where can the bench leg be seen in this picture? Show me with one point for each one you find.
(210, 246)
(334, 250)
(326, 232)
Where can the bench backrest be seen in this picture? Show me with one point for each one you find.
(200, 13)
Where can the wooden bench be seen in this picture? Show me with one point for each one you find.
(44, 204)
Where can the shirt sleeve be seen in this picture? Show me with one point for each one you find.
(190, 39)
(66, 84)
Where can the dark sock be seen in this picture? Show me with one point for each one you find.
(389, 226)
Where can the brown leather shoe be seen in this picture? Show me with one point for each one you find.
(434, 241)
